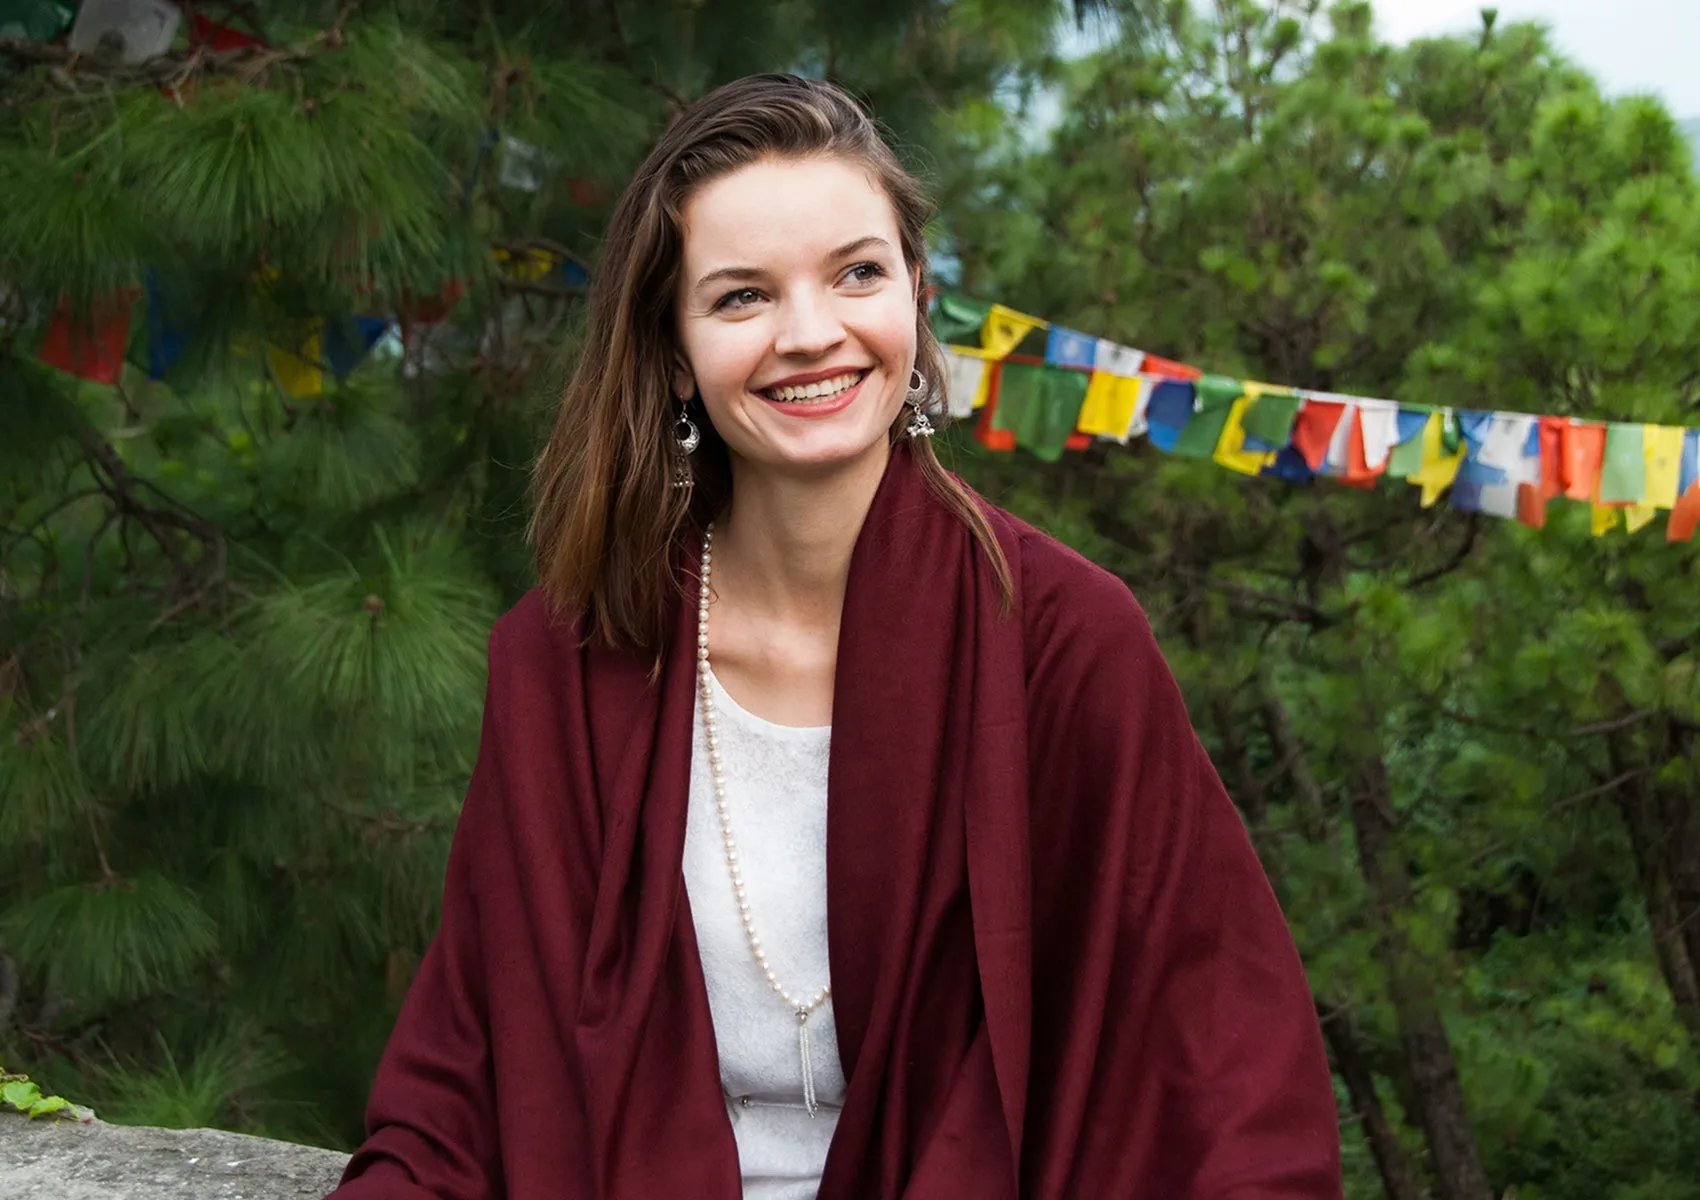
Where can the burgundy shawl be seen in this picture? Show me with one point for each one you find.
(1057, 967)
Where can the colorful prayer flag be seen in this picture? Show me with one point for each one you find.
(1213, 400)
(90, 345)
(1005, 328)
(1270, 415)
(1038, 405)
(1168, 413)
(958, 319)
(1231, 450)
(1069, 348)
(1623, 471)
(1662, 447)
(966, 379)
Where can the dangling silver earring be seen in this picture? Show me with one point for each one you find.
(689, 437)
(919, 425)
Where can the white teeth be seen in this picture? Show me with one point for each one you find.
(819, 390)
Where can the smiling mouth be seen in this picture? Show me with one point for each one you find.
(817, 392)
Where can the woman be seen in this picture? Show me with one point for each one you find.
(1025, 949)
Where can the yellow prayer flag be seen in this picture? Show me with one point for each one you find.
(1662, 447)
(1230, 447)
(1636, 516)
(1004, 329)
(531, 265)
(1438, 469)
(299, 372)
(1111, 403)
(1605, 519)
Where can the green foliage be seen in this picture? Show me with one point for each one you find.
(20, 1094)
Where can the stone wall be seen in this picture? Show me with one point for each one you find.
(96, 1161)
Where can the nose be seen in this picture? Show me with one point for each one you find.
(809, 326)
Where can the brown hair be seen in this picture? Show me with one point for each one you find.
(606, 520)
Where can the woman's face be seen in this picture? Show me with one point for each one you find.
(796, 314)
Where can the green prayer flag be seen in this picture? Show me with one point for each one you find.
(958, 319)
(1040, 405)
(1450, 435)
(1407, 457)
(1623, 471)
(1270, 417)
(1214, 401)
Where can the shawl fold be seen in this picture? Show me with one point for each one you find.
(1057, 967)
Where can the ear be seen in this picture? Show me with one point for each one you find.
(684, 380)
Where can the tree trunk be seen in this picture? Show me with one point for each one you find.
(1428, 1052)
(1679, 816)
(1313, 810)
(1662, 836)
(1345, 1054)
(1398, 1181)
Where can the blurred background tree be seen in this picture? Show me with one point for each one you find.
(283, 310)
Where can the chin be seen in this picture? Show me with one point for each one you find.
(824, 456)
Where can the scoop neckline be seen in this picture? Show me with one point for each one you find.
(723, 702)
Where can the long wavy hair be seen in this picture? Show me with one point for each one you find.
(606, 519)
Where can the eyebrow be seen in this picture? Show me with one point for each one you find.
(745, 274)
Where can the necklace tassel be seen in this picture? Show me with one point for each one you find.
(808, 1061)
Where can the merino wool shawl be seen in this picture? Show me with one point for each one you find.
(1057, 967)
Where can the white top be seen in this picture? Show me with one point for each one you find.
(776, 794)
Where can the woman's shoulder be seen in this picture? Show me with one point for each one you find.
(1060, 592)
(532, 630)
(1091, 661)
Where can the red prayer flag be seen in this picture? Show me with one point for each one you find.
(1078, 441)
(428, 310)
(1313, 429)
(1169, 369)
(1584, 448)
(204, 31)
(1685, 516)
(90, 346)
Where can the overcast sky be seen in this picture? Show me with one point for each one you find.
(1648, 46)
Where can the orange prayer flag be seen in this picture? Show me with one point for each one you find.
(1532, 505)
(1685, 516)
(1553, 480)
(1584, 449)
(1359, 473)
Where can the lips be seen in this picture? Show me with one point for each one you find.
(819, 391)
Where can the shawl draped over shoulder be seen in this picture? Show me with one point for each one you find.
(1057, 967)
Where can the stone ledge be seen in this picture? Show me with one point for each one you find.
(96, 1161)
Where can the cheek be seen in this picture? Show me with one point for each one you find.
(895, 331)
(726, 360)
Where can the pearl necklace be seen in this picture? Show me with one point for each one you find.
(803, 1008)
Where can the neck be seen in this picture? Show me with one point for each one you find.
(786, 541)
